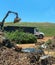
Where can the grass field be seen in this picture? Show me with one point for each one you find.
(47, 28)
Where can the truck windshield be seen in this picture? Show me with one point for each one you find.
(37, 30)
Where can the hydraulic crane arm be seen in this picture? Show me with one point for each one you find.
(17, 19)
(8, 14)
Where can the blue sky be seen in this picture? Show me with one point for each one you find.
(29, 10)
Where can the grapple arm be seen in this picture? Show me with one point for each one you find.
(17, 19)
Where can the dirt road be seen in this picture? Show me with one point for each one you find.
(44, 39)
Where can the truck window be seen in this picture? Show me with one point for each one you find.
(37, 30)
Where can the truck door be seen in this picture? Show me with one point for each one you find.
(36, 31)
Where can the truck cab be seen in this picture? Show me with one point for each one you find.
(39, 34)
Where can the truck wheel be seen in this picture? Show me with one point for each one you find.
(41, 36)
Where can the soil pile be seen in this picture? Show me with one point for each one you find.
(53, 42)
(9, 56)
(53, 60)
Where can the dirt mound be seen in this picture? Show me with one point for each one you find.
(53, 60)
(53, 41)
(9, 56)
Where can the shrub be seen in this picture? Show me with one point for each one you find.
(21, 37)
(49, 42)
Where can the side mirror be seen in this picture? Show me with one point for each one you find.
(17, 20)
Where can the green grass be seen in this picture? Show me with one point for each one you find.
(47, 28)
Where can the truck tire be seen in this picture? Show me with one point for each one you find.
(40, 36)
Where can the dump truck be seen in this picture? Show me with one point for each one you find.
(32, 30)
